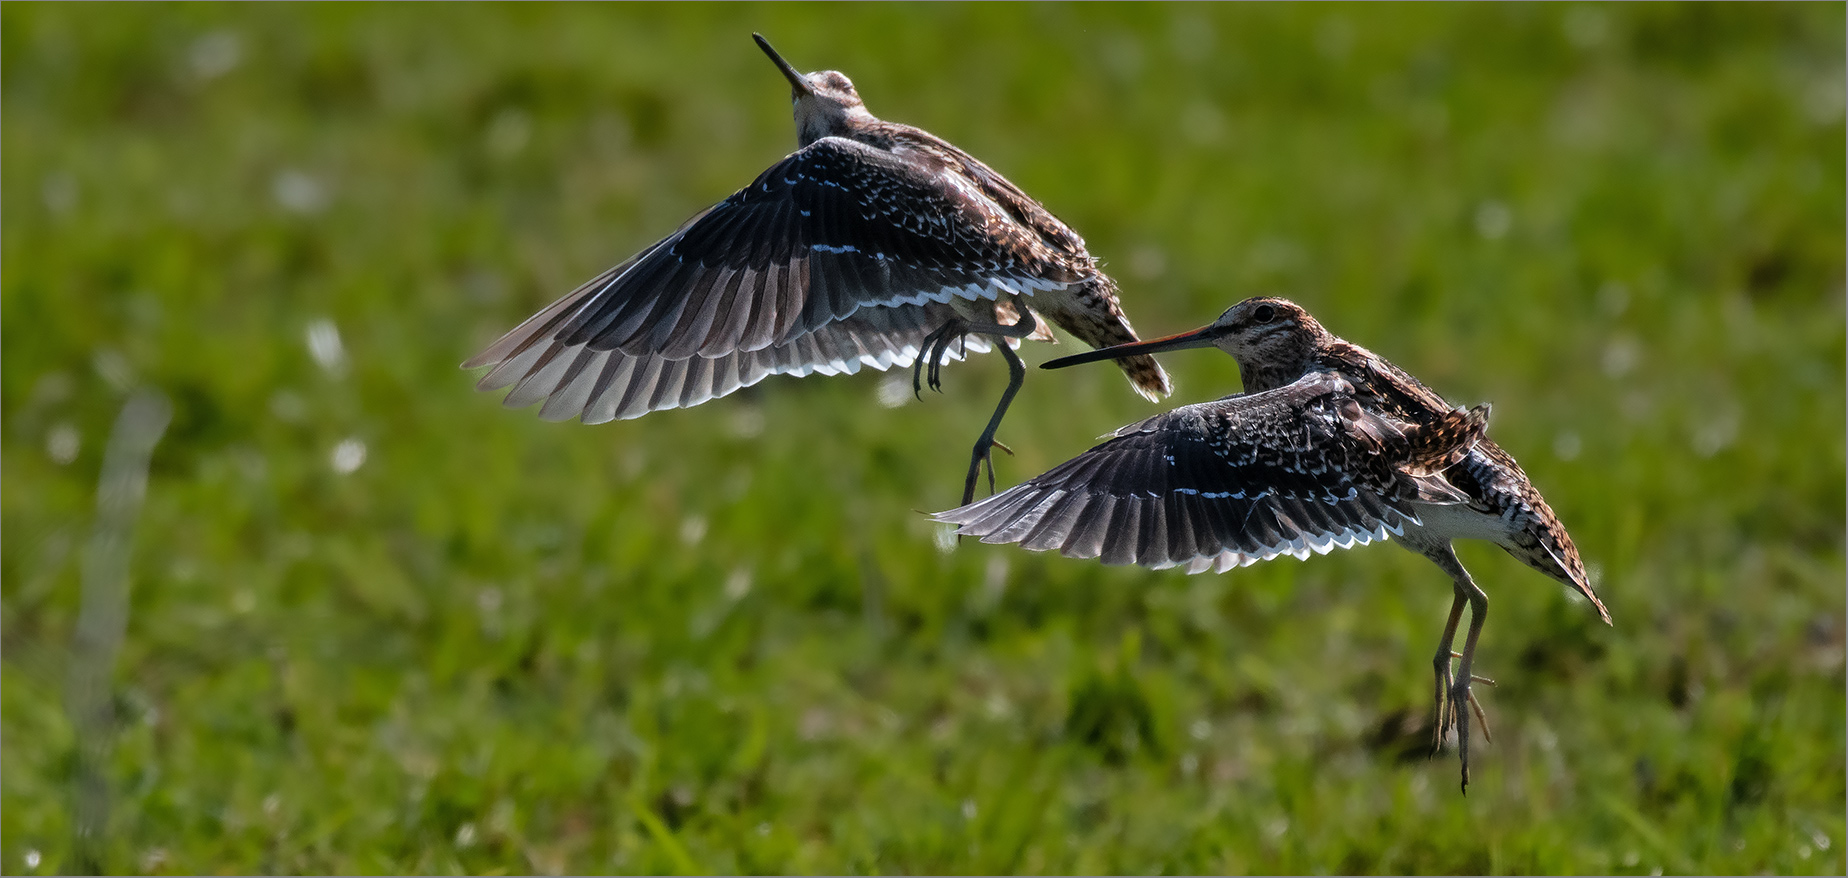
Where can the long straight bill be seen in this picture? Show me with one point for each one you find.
(796, 79)
(1199, 338)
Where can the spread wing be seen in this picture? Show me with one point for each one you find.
(838, 256)
(578, 380)
(1294, 470)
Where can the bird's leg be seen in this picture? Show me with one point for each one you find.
(1446, 715)
(1461, 701)
(983, 454)
(931, 353)
(1441, 664)
(935, 348)
(984, 447)
(1460, 689)
(1476, 706)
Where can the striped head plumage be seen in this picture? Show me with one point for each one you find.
(1274, 340)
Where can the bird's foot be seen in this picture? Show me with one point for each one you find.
(982, 458)
(1452, 694)
(1447, 703)
(927, 368)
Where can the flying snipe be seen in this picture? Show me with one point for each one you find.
(874, 244)
(1330, 446)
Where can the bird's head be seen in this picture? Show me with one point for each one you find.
(1264, 329)
(825, 101)
(1265, 334)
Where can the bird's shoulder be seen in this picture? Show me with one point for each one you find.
(932, 151)
(1381, 385)
(1319, 427)
(843, 165)
(1251, 417)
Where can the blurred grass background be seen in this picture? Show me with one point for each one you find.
(380, 624)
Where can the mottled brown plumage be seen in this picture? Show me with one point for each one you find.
(873, 244)
(1329, 446)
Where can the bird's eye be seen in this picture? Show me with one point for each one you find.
(1264, 314)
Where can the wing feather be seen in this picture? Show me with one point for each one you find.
(1055, 525)
(1296, 470)
(1085, 537)
(608, 384)
(1122, 532)
(571, 394)
(832, 230)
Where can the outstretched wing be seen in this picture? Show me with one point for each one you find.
(1227, 483)
(577, 380)
(835, 257)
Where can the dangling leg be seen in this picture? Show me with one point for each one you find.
(984, 447)
(1460, 691)
(930, 361)
(1460, 694)
(1446, 716)
(1441, 664)
(931, 352)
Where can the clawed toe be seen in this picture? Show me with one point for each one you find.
(917, 370)
(1475, 707)
(927, 369)
(981, 459)
(1451, 695)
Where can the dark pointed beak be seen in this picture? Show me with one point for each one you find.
(1199, 338)
(796, 80)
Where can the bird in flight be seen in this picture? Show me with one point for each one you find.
(874, 244)
(1329, 446)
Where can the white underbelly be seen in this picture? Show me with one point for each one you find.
(1441, 524)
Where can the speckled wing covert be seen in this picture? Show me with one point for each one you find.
(1299, 469)
(842, 255)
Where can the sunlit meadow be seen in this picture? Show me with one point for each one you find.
(378, 623)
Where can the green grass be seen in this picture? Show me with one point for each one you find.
(725, 639)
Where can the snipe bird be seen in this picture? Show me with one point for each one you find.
(1329, 446)
(874, 244)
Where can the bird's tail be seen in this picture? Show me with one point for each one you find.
(1539, 539)
(1543, 544)
(1102, 324)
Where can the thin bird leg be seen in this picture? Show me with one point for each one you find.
(1475, 706)
(934, 349)
(930, 360)
(1441, 664)
(1444, 705)
(1460, 691)
(1460, 694)
(931, 357)
(927, 369)
(984, 447)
